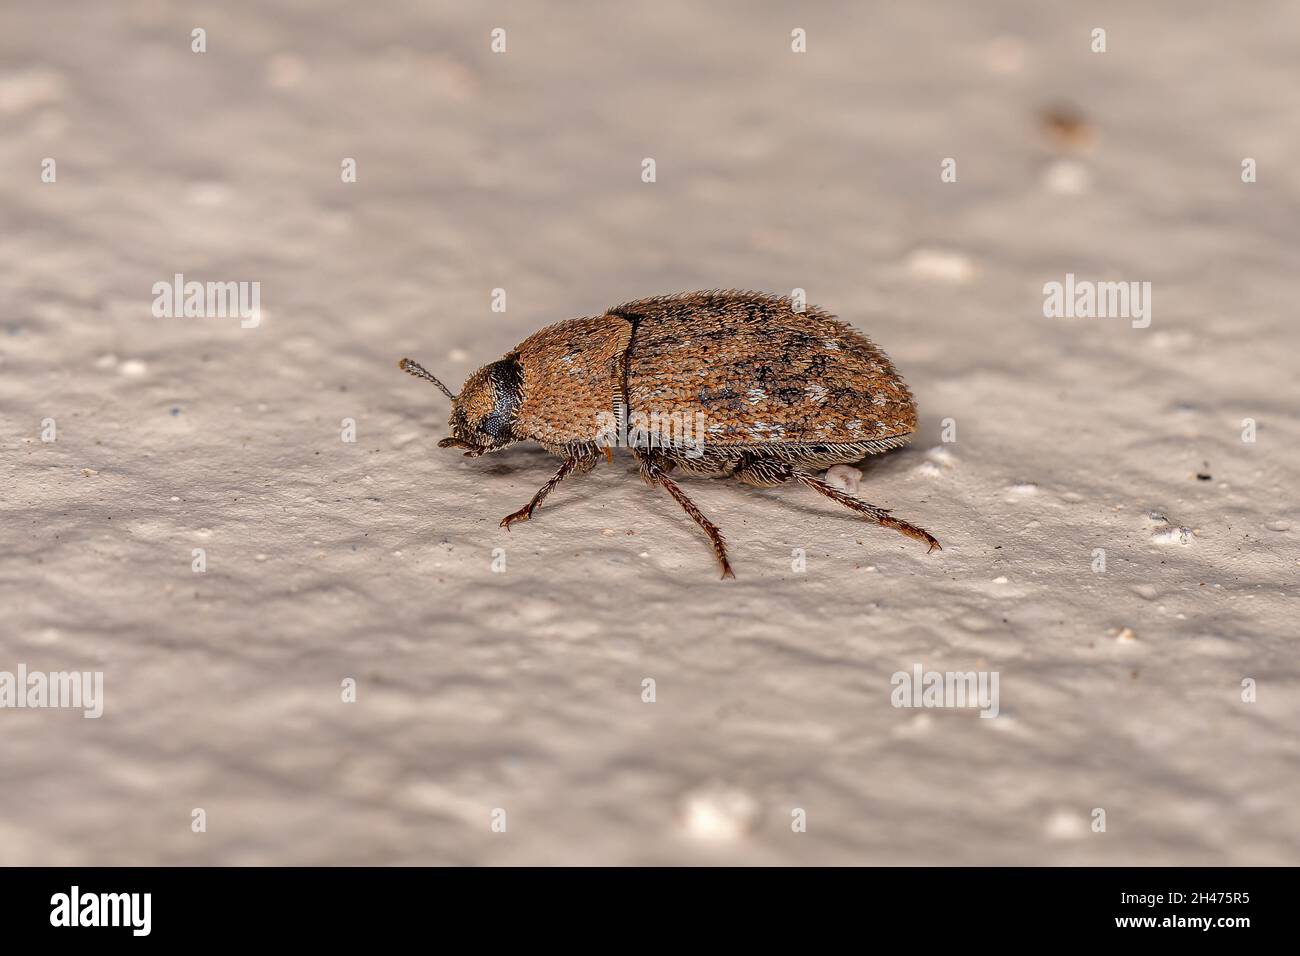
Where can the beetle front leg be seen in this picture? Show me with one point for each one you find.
(578, 463)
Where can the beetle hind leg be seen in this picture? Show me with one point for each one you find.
(879, 515)
(579, 464)
(656, 474)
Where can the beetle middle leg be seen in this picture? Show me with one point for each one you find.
(574, 463)
(656, 473)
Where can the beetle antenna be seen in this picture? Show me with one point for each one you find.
(419, 371)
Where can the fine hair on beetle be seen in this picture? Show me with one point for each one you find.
(720, 384)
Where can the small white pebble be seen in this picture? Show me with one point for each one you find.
(1067, 177)
(25, 89)
(941, 265)
(1005, 55)
(208, 194)
(941, 455)
(133, 367)
(844, 477)
(1065, 825)
(1170, 341)
(1024, 488)
(718, 814)
(1004, 722)
(913, 727)
(284, 71)
(938, 460)
(1126, 635)
(1000, 579)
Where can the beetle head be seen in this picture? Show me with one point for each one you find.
(483, 414)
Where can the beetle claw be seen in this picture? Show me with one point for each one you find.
(523, 514)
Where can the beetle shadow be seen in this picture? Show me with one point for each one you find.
(806, 501)
(519, 459)
(527, 462)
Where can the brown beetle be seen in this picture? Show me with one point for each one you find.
(772, 394)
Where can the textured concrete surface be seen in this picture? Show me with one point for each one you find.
(522, 691)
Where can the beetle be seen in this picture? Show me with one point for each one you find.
(778, 393)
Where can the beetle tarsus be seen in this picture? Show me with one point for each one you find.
(578, 463)
(523, 514)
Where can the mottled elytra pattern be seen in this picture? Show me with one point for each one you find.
(781, 394)
(762, 372)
